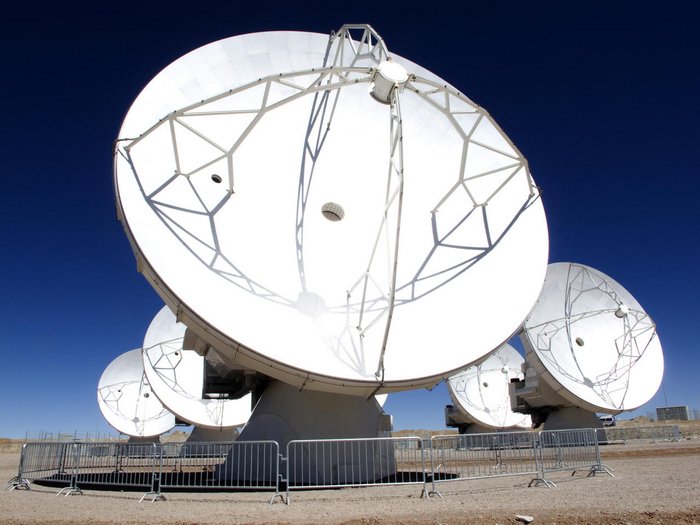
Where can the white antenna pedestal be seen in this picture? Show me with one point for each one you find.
(547, 408)
(284, 414)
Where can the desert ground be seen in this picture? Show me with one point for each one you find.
(654, 482)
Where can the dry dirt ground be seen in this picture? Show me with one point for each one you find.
(654, 483)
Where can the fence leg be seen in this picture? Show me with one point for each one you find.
(429, 493)
(276, 495)
(539, 460)
(155, 478)
(534, 482)
(18, 483)
(425, 493)
(278, 478)
(73, 487)
(599, 466)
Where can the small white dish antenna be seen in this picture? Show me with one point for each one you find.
(177, 377)
(127, 402)
(592, 342)
(431, 234)
(481, 392)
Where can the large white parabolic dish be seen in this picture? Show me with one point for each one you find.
(481, 392)
(126, 400)
(592, 342)
(177, 377)
(318, 235)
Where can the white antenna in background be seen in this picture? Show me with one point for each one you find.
(127, 402)
(481, 394)
(590, 347)
(178, 377)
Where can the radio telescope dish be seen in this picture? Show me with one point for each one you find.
(177, 377)
(592, 342)
(325, 212)
(126, 400)
(481, 392)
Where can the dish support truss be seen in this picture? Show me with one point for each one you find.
(352, 57)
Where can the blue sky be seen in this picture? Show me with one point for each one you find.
(601, 98)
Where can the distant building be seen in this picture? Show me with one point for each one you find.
(667, 413)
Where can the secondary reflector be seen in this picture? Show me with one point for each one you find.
(317, 234)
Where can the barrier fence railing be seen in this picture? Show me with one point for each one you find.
(239, 465)
(325, 463)
(568, 450)
(40, 461)
(476, 456)
(118, 464)
(331, 463)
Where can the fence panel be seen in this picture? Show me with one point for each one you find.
(328, 463)
(475, 456)
(118, 464)
(568, 450)
(46, 461)
(324, 463)
(252, 465)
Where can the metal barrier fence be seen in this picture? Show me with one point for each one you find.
(151, 466)
(239, 465)
(327, 463)
(41, 461)
(573, 450)
(330, 463)
(475, 456)
(118, 464)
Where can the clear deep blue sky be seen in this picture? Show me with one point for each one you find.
(601, 97)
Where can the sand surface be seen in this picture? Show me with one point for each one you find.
(654, 483)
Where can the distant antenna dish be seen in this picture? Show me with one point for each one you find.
(480, 392)
(326, 213)
(127, 402)
(177, 377)
(592, 342)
